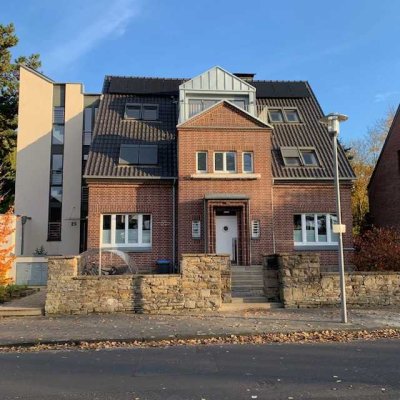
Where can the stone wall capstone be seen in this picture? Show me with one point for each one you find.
(204, 283)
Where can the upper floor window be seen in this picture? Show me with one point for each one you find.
(225, 161)
(248, 162)
(58, 115)
(198, 105)
(126, 230)
(134, 154)
(314, 229)
(292, 115)
(58, 134)
(146, 112)
(276, 115)
(294, 157)
(289, 115)
(201, 161)
(309, 157)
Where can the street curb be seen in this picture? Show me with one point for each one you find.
(144, 340)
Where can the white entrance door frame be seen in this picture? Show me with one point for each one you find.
(226, 235)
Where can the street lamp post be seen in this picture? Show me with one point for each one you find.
(332, 121)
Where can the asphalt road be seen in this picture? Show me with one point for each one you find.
(357, 370)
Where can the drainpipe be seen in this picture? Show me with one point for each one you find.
(174, 222)
(24, 218)
(273, 220)
(248, 233)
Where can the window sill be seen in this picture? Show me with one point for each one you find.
(226, 176)
(316, 247)
(128, 249)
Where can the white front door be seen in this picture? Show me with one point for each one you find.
(226, 234)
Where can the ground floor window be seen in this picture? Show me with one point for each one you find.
(129, 230)
(314, 229)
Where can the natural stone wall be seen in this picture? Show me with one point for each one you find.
(203, 285)
(303, 285)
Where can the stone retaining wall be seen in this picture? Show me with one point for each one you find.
(203, 285)
(303, 285)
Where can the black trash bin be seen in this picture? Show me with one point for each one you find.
(163, 266)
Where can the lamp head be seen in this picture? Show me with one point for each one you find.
(332, 121)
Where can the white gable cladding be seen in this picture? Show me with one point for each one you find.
(215, 83)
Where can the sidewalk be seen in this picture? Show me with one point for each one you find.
(129, 327)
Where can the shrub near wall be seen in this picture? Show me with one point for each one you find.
(202, 286)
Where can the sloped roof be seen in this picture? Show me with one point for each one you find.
(111, 130)
(309, 133)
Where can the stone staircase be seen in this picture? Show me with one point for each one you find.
(248, 284)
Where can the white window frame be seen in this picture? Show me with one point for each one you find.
(252, 162)
(224, 170)
(139, 244)
(201, 171)
(316, 243)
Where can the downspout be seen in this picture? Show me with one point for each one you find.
(273, 219)
(249, 230)
(173, 223)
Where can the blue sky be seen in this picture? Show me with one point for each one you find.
(347, 50)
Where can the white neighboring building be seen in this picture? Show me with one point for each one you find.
(55, 124)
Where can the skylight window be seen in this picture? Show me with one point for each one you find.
(146, 112)
(131, 154)
(284, 115)
(292, 115)
(295, 157)
(276, 115)
(309, 157)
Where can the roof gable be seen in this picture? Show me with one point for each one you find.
(216, 79)
(224, 115)
(388, 145)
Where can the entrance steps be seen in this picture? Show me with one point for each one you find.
(234, 307)
(247, 284)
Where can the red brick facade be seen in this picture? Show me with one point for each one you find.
(252, 196)
(224, 128)
(384, 190)
(292, 198)
(127, 197)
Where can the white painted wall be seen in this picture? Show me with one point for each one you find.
(35, 123)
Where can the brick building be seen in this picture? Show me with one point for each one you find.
(384, 185)
(221, 163)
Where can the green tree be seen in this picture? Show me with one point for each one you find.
(9, 77)
(363, 155)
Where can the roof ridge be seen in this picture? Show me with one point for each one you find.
(145, 77)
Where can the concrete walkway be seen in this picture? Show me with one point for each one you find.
(133, 326)
(26, 306)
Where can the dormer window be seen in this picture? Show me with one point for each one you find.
(132, 154)
(295, 157)
(146, 112)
